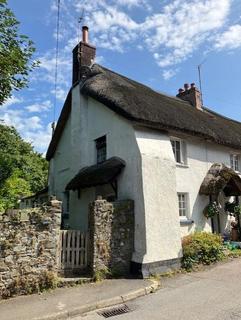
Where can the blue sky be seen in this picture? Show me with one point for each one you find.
(158, 43)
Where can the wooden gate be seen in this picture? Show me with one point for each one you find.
(73, 250)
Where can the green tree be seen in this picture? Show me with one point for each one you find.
(16, 52)
(22, 170)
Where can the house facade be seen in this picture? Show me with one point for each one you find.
(120, 139)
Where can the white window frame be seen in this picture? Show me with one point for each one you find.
(235, 161)
(183, 150)
(101, 149)
(183, 205)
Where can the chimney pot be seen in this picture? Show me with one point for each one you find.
(192, 95)
(85, 34)
(193, 85)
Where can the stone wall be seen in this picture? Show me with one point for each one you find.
(111, 228)
(29, 249)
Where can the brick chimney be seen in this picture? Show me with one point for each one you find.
(191, 94)
(83, 56)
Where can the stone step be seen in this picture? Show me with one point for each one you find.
(68, 282)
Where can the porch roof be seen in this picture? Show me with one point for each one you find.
(221, 178)
(98, 174)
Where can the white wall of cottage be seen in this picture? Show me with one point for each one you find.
(161, 218)
(200, 156)
(76, 149)
(151, 177)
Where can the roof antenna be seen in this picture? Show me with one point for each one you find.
(200, 79)
(80, 19)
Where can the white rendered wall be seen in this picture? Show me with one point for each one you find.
(60, 169)
(88, 121)
(161, 224)
(200, 156)
(157, 232)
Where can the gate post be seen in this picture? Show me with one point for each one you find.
(111, 242)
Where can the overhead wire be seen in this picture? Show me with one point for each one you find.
(56, 62)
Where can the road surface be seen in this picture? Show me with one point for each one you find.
(211, 294)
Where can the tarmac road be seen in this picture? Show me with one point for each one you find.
(211, 294)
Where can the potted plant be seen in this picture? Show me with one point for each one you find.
(234, 231)
(211, 209)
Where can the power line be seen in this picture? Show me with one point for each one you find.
(56, 62)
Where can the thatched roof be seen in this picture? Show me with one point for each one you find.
(98, 174)
(152, 109)
(221, 178)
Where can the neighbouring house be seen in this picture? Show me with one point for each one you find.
(120, 139)
(34, 200)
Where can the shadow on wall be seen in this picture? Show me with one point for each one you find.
(201, 222)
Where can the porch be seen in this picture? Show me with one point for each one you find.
(223, 186)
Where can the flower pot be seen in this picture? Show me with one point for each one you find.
(234, 234)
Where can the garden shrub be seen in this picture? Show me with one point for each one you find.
(30, 284)
(201, 248)
(101, 274)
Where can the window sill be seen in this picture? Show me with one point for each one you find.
(181, 165)
(186, 222)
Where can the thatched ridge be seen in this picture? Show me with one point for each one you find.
(221, 178)
(156, 110)
(146, 107)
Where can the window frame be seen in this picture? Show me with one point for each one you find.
(183, 150)
(235, 160)
(101, 146)
(185, 208)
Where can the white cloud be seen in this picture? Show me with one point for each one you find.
(39, 138)
(11, 101)
(104, 20)
(39, 107)
(168, 74)
(133, 3)
(48, 64)
(100, 59)
(173, 33)
(31, 128)
(60, 93)
(18, 119)
(182, 27)
(230, 39)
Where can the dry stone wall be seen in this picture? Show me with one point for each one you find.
(111, 227)
(29, 249)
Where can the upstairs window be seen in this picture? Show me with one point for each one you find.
(101, 149)
(179, 150)
(234, 162)
(183, 204)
